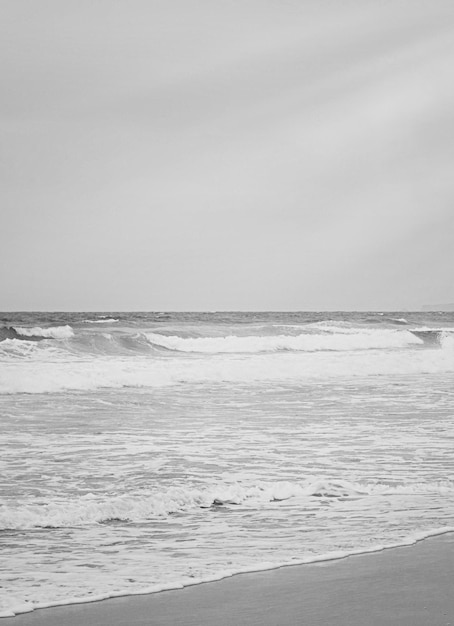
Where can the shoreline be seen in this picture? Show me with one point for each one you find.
(410, 585)
(259, 567)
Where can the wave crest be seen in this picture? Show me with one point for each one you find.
(92, 509)
(103, 320)
(306, 342)
(48, 372)
(53, 332)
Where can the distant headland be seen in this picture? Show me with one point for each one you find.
(438, 307)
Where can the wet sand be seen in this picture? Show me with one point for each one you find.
(411, 586)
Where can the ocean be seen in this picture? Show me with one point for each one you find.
(151, 451)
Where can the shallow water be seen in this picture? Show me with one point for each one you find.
(164, 449)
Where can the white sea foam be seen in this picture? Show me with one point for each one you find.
(55, 332)
(447, 341)
(438, 329)
(21, 350)
(107, 320)
(57, 374)
(12, 606)
(357, 340)
(91, 509)
(225, 462)
(17, 348)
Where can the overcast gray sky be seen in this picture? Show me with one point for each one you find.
(226, 154)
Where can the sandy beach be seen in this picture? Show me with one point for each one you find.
(409, 586)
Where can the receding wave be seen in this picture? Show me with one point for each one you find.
(91, 509)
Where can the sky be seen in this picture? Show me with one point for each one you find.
(226, 154)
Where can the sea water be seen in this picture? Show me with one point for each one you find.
(150, 451)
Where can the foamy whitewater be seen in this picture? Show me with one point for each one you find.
(152, 451)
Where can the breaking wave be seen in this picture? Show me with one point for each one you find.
(433, 337)
(56, 332)
(36, 333)
(39, 359)
(140, 507)
(53, 374)
(103, 320)
(338, 341)
(105, 360)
